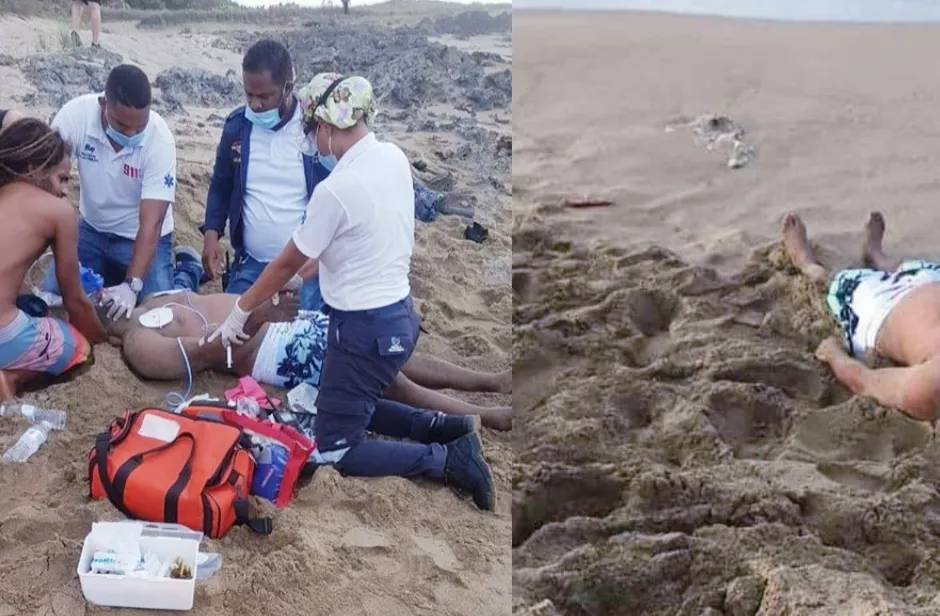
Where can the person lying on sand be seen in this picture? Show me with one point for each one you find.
(34, 175)
(892, 308)
(283, 351)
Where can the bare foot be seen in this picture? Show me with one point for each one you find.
(872, 252)
(798, 249)
(497, 418)
(829, 349)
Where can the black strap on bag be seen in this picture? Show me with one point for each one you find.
(262, 526)
(115, 490)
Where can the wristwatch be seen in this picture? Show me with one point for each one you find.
(136, 284)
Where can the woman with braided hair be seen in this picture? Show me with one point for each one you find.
(34, 175)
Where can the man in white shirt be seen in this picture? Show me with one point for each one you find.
(360, 228)
(126, 159)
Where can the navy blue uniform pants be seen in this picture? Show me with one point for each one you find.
(365, 350)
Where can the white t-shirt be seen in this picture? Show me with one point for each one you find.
(114, 183)
(275, 190)
(361, 226)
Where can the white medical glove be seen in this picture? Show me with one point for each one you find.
(293, 284)
(232, 331)
(122, 300)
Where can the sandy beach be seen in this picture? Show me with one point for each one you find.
(679, 450)
(345, 546)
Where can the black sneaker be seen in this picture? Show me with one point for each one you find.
(446, 428)
(467, 471)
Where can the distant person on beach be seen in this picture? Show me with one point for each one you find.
(94, 16)
(126, 157)
(8, 117)
(261, 182)
(892, 308)
(34, 173)
(359, 226)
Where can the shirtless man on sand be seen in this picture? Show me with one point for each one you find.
(284, 351)
(34, 175)
(892, 309)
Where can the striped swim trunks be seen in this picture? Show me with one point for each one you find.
(45, 345)
(861, 299)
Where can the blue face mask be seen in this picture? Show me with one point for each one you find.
(264, 119)
(328, 161)
(123, 140)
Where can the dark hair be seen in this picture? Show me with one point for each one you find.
(128, 85)
(269, 55)
(28, 148)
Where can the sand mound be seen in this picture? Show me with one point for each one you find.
(58, 78)
(469, 23)
(680, 451)
(200, 88)
(420, 73)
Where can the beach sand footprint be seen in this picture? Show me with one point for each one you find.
(796, 377)
(441, 553)
(753, 420)
(362, 537)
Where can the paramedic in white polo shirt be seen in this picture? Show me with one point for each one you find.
(360, 227)
(126, 158)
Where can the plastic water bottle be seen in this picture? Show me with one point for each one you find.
(35, 414)
(29, 443)
(92, 282)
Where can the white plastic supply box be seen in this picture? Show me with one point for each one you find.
(168, 542)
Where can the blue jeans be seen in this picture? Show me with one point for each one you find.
(427, 202)
(246, 270)
(365, 350)
(110, 255)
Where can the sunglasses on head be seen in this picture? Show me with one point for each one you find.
(310, 125)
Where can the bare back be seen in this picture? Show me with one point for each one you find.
(29, 218)
(911, 332)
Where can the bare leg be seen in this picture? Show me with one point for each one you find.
(438, 374)
(76, 21)
(407, 392)
(94, 15)
(454, 204)
(872, 252)
(10, 380)
(799, 251)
